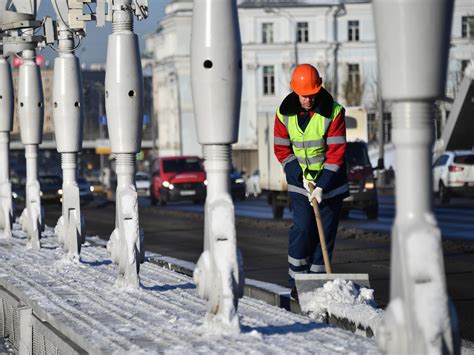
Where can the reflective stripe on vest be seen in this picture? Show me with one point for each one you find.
(309, 147)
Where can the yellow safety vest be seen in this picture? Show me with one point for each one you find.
(309, 147)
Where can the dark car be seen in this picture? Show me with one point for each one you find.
(361, 181)
(51, 187)
(237, 184)
(18, 182)
(85, 190)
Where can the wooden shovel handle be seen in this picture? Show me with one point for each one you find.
(322, 236)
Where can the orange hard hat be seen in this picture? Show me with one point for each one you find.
(305, 80)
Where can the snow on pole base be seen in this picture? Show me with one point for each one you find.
(30, 219)
(219, 272)
(126, 241)
(69, 226)
(6, 210)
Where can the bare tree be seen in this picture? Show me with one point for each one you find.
(353, 90)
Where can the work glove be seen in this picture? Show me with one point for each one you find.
(317, 191)
(316, 194)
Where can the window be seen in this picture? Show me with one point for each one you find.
(353, 31)
(464, 159)
(441, 160)
(354, 75)
(302, 32)
(180, 165)
(371, 127)
(467, 27)
(356, 154)
(268, 80)
(267, 32)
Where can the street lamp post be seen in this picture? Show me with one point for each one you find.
(174, 80)
(381, 138)
(340, 11)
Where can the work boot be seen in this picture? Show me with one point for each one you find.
(294, 294)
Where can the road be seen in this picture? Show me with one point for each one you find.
(456, 219)
(177, 230)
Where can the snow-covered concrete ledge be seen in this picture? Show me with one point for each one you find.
(342, 310)
(80, 304)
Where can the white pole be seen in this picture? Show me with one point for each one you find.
(6, 124)
(68, 122)
(419, 318)
(124, 107)
(216, 77)
(30, 112)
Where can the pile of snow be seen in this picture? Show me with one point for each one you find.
(342, 299)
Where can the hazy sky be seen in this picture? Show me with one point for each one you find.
(94, 46)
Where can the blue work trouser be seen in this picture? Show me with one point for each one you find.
(304, 249)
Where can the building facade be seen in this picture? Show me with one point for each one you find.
(48, 125)
(337, 37)
(95, 122)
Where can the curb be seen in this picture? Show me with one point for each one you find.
(272, 294)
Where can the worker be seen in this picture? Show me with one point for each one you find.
(310, 143)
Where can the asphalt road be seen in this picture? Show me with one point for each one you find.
(263, 242)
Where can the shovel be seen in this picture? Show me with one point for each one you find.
(310, 282)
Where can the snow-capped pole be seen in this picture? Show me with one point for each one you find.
(216, 77)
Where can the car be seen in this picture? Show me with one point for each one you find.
(178, 178)
(237, 184)
(85, 190)
(362, 187)
(97, 186)
(453, 174)
(143, 184)
(18, 183)
(51, 188)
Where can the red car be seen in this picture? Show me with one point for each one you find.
(178, 178)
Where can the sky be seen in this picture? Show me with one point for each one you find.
(93, 47)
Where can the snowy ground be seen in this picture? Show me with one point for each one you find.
(165, 315)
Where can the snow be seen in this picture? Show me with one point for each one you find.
(343, 299)
(164, 316)
(467, 347)
(430, 307)
(221, 288)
